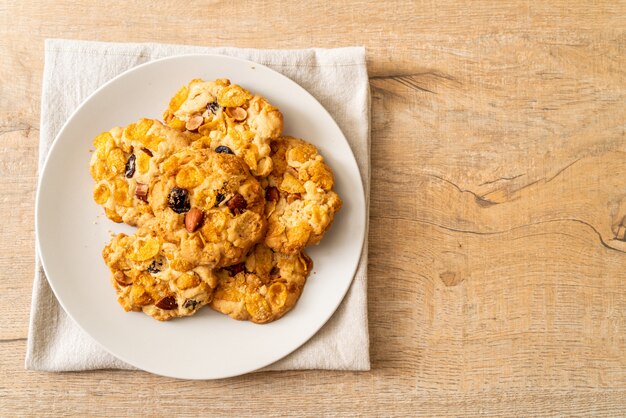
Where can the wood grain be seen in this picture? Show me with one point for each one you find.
(497, 246)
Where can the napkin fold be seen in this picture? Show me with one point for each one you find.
(337, 78)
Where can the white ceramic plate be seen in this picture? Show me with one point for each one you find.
(72, 229)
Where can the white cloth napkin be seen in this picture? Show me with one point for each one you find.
(336, 77)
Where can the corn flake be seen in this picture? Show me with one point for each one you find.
(146, 250)
(101, 194)
(112, 215)
(258, 307)
(143, 162)
(116, 161)
(277, 294)
(179, 99)
(291, 185)
(177, 124)
(188, 177)
(187, 281)
(233, 96)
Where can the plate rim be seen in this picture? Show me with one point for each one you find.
(362, 233)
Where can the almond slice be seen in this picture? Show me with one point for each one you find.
(194, 123)
(239, 114)
(122, 279)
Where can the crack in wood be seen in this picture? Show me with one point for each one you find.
(483, 233)
(545, 180)
(410, 79)
(563, 169)
(411, 84)
(480, 200)
(501, 179)
(18, 128)
(435, 74)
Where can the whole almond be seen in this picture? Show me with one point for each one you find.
(235, 269)
(237, 204)
(194, 123)
(193, 219)
(142, 192)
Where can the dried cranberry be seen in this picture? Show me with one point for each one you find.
(178, 199)
(130, 166)
(223, 149)
(272, 194)
(167, 303)
(275, 272)
(237, 204)
(235, 269)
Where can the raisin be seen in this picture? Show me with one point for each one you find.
(147, 151)
(167, 303)
(213, 107)
(155, 267)
(130, 166)
(190, 304)
(223, 149)
(237, 204)
(219, 198)
(235, 269)
(275, 272)
(178, 199)
(272, 194)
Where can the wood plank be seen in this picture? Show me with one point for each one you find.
(326, 393)
(497, 209)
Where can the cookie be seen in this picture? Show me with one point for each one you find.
(147, 277)
(209, 205)
(264, 287)
(301, 203)
(227, 118)
(124, 167)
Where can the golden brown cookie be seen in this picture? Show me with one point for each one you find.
(301, 203)
(124, 166)
(264, 287)
(209, 205)
(147, 277)
(227, 118)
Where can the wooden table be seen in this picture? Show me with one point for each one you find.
(497, 242)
